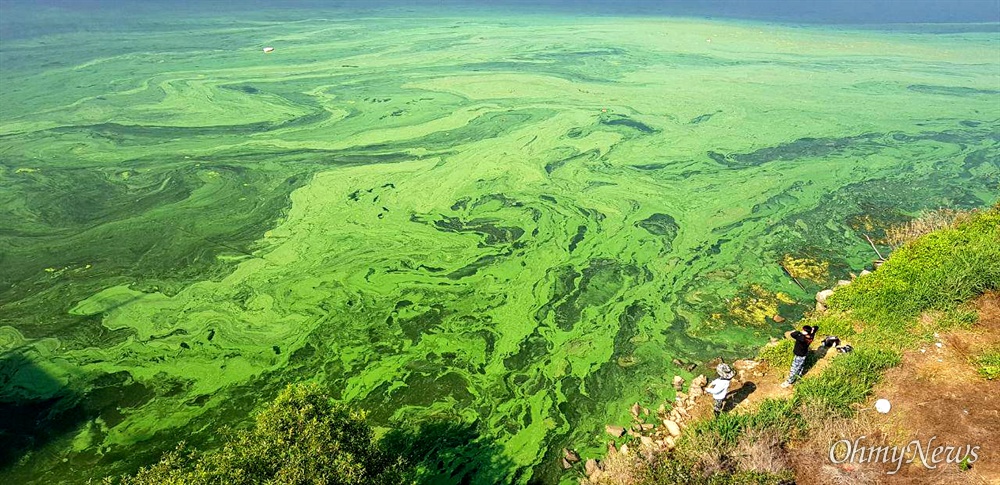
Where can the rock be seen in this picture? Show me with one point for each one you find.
(773, 340)
(646, 441)
(690, 367)
(823, 295)
(864, 272)
(624, 449)
(745, 364)
(820, 307)
(678, 383)
(695, 392)
(645, 411)
(590, 467)
(669, 441)
(633, 433)
(677, 362)
(616, 431)
(566, 464)
(571, 455)
(672, 427)
(683, 412)
(635, 410)
(647, 426)
(674, 414)
(778, 318)
(681, 396)
(611, 448)
(700, 381)
(843, 282)
(662, 409)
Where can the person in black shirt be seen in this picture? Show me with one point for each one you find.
(802, 341)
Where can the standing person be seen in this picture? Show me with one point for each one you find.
(720, 387)
(802, 341)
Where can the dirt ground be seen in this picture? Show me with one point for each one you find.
(936, 394)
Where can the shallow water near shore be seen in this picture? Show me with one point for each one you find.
(515, 221)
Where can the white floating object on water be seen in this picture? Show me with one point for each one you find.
(268, 50)
(882, 406)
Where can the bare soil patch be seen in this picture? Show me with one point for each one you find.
(935, 393)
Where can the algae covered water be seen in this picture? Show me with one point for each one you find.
(522, 222)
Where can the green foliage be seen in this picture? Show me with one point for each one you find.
(778, 415)
(833, 323)
(303, 437)
(848, 380)
(936, 272)
(772, 415)
(778, 355)
(988, 364)
(441, 449)
(960, 317)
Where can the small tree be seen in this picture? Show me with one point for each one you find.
(303, 437)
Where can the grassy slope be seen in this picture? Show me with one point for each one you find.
(879, 314)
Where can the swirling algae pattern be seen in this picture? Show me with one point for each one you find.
(515, 221)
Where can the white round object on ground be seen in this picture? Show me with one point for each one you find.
(882, 406)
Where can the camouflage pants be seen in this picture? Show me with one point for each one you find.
(797, 364)
(719, 404)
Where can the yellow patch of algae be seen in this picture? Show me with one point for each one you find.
(754, 305)
(806, 268)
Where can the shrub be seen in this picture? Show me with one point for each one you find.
(924, 224)
(303, 437)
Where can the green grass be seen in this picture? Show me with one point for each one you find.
(778, 355)
(847, 381)
(936, 272)
(772, 414)
(988, 364)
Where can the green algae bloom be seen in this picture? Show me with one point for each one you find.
(514, 222)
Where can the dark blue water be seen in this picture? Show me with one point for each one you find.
(808, 11)
(855, 12)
